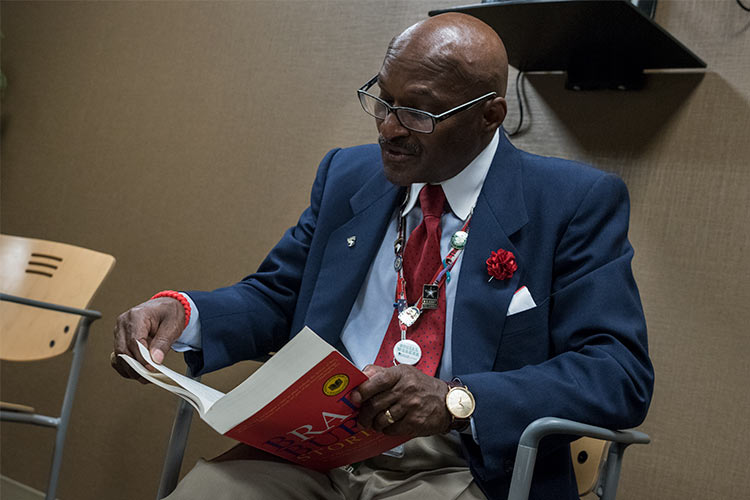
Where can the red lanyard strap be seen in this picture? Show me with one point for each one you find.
(438, 279)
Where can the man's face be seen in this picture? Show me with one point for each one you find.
(410, 157)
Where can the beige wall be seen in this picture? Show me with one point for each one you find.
(182, 137)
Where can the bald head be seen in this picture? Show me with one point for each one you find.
(453, 69)
(458, 46)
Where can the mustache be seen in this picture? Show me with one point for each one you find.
(402, 144)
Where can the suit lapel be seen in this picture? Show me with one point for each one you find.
(481, 307)
(344, 267)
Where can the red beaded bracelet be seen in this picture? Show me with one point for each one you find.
(177, 296)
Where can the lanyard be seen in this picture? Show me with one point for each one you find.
(408, 315)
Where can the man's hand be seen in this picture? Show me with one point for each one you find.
(156, 324)
(415, 401)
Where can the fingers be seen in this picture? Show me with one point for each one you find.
(132, 326)
(389, 420)
(381, 379)
(124, 369)
(126, 334)
(371, 414)
(155, 324)
(373, 395)
(402, 400)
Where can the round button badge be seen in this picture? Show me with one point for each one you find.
(407, 352)
(458, 240)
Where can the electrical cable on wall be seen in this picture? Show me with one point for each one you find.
(743, 6)
(520, 96)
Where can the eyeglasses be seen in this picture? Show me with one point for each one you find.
(410, 118)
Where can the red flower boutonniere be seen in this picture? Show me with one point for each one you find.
(501, 264)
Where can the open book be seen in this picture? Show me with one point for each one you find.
(294, 406)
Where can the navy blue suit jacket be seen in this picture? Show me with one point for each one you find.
(580, 354)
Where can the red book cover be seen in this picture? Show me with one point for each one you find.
(313, 423)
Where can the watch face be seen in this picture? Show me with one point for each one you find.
(460, 402)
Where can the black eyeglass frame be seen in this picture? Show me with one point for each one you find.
(433, 117)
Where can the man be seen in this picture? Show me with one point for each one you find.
(534, 314)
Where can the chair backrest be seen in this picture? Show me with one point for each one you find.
(588, 458)
(49, 272)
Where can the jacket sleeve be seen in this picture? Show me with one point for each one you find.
(599, 371)
(251, 318)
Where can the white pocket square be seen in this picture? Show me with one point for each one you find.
(521, 301)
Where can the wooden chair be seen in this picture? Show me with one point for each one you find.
(45, 288)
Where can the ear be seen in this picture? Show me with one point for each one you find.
(494, 113)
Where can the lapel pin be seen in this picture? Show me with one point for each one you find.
(350, 241)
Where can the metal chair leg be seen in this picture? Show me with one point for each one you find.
(612, 473)
(70, 391)
(176, 448)
(520, 483)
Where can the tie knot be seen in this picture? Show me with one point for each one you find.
(432, 200)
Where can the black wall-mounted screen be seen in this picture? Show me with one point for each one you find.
(591, 39)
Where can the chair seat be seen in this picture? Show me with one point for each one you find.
(16, 407)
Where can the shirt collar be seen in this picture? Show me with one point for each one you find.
(462, 190)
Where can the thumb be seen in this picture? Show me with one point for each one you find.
(157, 355)
(162, 342)
(170, 327)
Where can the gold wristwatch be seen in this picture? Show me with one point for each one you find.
(460, 404)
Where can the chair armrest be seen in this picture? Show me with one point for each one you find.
(547, 426)
(528, 444)
(48, 305)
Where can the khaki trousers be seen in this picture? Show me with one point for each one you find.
(432, 467)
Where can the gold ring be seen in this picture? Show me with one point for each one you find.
(389, 417)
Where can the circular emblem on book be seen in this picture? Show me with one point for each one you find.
(335, 385)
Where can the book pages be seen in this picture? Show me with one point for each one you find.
(200, 396)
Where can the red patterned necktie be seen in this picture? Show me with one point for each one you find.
(421, 262)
